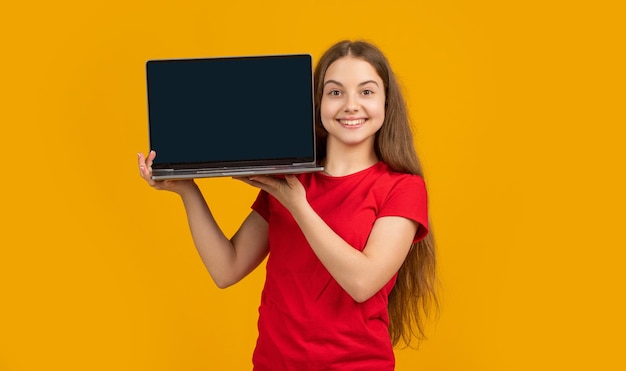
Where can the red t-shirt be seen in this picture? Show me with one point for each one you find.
(306, 320)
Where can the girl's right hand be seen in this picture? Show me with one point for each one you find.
(173, 185)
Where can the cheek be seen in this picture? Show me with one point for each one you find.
(326, 122)
(327, 110)
(379, 108)
(376, 108)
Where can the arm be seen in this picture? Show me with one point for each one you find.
(360, 273)
(227, 261)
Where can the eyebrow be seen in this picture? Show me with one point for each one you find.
(340, 84)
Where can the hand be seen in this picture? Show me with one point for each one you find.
(288, 190)
(145, 170)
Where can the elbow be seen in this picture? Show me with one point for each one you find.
(223, 282)
(361, 292)
(222, 285)
(361, 298)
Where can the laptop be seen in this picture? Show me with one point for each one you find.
(231, 116)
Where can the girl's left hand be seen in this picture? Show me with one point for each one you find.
(288, 190)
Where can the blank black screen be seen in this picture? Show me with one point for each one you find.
(231, 109)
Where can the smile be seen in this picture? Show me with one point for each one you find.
(354, 122)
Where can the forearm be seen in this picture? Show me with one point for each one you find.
(352, 269)
(226, 260)
(215, 249)
(360, 273)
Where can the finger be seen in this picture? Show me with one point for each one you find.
(251, 182)
(145, 171)
(269, 181)
(141, 162)
(292, 180)
(151, 157)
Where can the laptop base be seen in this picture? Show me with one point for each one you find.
(214, 173)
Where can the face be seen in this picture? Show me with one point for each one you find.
(353, 103)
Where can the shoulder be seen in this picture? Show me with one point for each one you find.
(404, 195)
(390, 179)
(398, 191)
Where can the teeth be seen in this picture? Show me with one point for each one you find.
(352, 122)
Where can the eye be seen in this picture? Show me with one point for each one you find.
(334, 92)
(367, 92)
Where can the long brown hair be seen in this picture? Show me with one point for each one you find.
(413, 296)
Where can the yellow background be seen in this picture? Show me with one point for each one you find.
(519, 115)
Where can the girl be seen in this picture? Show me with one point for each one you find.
(351, 265)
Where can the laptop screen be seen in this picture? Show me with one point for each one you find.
(231, 110)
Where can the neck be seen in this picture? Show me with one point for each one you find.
(344, 160)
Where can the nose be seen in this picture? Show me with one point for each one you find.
(351, 104)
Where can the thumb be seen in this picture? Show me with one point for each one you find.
(292, 180)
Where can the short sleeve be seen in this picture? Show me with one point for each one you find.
(261, 205)
(408, 198)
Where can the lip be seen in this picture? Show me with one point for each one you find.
(351, 122)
